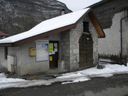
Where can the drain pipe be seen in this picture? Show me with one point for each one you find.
(121, 39)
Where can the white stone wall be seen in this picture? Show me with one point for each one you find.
(27, 64)
(125, 37)
(20, 62)
(3, 62)
(111, 44)
(10, 62)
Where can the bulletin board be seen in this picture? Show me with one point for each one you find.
(42, 50)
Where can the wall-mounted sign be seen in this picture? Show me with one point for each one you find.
(42, 50)
(32, 52)
(50, 58)
(51, 49)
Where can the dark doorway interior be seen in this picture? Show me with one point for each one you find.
(53, 54)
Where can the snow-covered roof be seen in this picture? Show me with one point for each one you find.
(47, 25)
(75, 5)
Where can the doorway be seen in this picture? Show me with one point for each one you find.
(53, 54)
(86, 51)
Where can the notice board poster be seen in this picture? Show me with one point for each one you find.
(42, 50)
(32, 52)
(51, 48)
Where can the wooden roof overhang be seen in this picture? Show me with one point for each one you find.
(96, 24)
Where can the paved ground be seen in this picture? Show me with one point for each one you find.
(113, 86)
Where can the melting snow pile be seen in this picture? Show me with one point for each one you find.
(86, 74)
(16, 82)
(8, 82)
(72, 77)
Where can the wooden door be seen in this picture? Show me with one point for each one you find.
(86, 51)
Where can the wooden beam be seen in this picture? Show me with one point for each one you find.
(96, 25)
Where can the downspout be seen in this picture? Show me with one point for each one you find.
(121, 40)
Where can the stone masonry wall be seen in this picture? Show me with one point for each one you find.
(70, 46)
(75, 35)
(74, 45)
(65, 49)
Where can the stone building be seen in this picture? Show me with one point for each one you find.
(113, 17)
(64, 43)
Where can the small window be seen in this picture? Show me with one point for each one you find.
(85, 26)
(5, 52)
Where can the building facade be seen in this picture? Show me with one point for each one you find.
(68, 48)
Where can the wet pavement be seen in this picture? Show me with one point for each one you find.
(112, 86)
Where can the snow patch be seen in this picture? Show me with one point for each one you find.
(16, 82)
(108, 71)
(72, 77)
(2, 75)
(81, 79)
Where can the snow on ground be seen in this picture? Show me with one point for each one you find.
(87, 74)
(72, 77)
(16, 82)
(75, 5)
